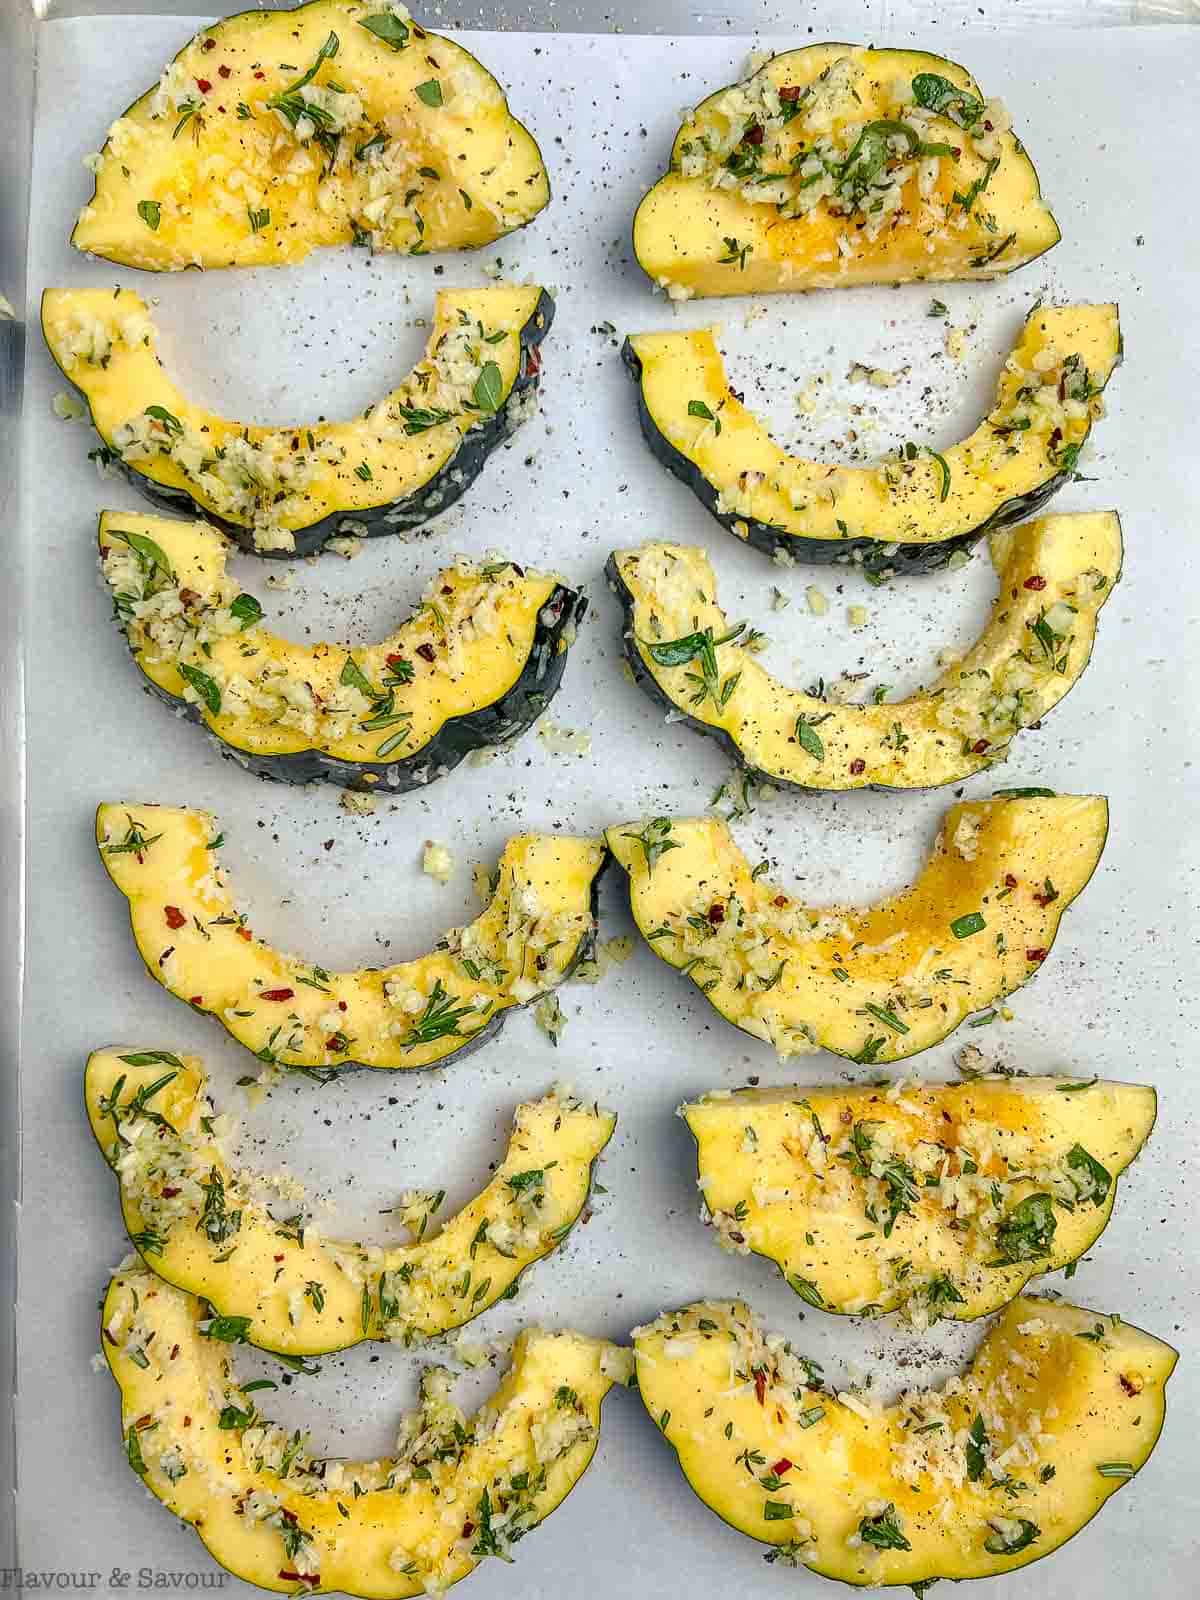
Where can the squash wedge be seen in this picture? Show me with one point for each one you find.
(836, 165)
(1054, 575)
(874, 984)
(197, 1223)
(1060, 1407)
(473, 667)
(915, 509)
(333, 123)
(937, 1200)
(274, 1515)
(287, 491)
(293, 1013)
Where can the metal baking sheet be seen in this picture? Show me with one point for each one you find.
(324, 338)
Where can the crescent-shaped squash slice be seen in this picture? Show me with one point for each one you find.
(287, 491)
(1054, 576)
(293, 1013)
(931, 1199)
(875, 983)
(914, 509)
(1058, 1409)
(196, 1222)
(274, 1515)
(337, 122)
(836, 165)
(474, 666)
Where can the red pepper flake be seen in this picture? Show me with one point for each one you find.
(468, 1529)
(1036, 955)
(760, 1384)
(781, 1466)
(169, 1191)
(789, 92)
(277, 994)
(143, 1422)
(204, 86)
(342, 1005)
(979, 747)
(188, 597)
(244, 933)
(395, 662)
(716, 913)
(1130, 1385)
(780, 900)
(754, 134)
(857, 766)
(260, 74)
(209, 44)
(531, 361)
(277, 1258)
(334, 1044)
(187, 1422)
(175, 917)
(1009, 881)
(1036, 582)
(425, 651)
(174, 1352)
(196, 1000)
(1055, 437)
(223, 71)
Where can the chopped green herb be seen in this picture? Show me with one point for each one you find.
(388, 27)
(489, 387)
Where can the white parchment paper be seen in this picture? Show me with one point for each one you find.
(1112, 127)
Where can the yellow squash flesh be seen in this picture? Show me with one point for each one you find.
(274, 482)
(272, 1514)
(913, 1198)
(464, 648)
(748, 216)
(197, 1224)
(1070, 1405)
(292, 1013)
(876, 983)
(1010, 677)
(1047, 396)
(419, 153)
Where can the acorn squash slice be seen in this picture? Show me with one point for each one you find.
(196, 1223)
(1054, 576)
(292, 1013)
(914, 509)
(836, 165)
(274, 1515)
(877, 983)
(1059, 1408)
(473, 667)
(338, 122)
(288, 490)
(931, 1199)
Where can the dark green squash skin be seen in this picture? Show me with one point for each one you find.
(878, 558)
(505, 719)
(448, 484)
(155, 1265)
